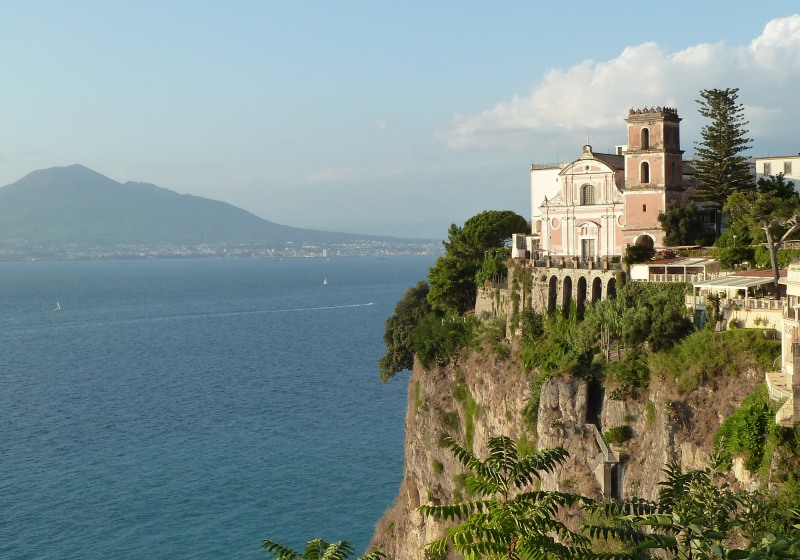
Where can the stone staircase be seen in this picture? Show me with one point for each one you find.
(606, 467)
(780, 389)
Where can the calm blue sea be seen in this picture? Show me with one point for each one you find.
(191, 408)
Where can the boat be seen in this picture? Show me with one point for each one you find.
(325, 282)
(57, 307)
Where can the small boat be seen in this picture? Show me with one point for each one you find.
(325, 282)
(57, 307)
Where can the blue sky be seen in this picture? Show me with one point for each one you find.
(390, 118)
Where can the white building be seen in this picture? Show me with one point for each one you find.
(773, 165)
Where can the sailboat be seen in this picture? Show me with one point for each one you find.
(325, 282)
(57, 307)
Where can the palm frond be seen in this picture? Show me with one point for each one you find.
(339, 550)
(452, 511)
(546, 460)
(279, 551)
(502, 453)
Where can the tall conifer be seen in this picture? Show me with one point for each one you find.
(721, 169)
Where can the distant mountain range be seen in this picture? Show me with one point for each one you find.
(75, 205)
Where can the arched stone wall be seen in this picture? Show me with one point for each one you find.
(597, 289)
(552, 295)
(566, 295)
(548, 291)
(580, 297)
(611, 288)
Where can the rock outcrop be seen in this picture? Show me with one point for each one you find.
(485, 394)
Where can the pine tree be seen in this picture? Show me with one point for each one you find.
(721, 169)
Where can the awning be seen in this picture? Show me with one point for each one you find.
(733, 282)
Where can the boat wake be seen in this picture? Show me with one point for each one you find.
(205, 315)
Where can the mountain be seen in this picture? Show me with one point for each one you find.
(75, 205)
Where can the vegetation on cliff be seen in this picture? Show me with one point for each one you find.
(427, 321)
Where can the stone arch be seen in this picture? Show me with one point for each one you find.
(566, 295)
(597, 289)
(645, 240)
(552, 295)
(581, 297)
(611, 288)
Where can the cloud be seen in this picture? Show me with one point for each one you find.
(593, 97)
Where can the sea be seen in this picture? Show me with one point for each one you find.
(192, 408)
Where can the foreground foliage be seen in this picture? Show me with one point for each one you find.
(697, 516)
(508, 519)
(317, 549)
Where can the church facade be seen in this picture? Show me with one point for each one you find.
(600, 203)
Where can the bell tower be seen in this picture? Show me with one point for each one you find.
(653, 159)
(653, 172)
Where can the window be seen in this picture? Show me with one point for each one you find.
(644, 207)
(644, 175)
(767, 169)
(787, 167)
(587, 195)
(645, 139)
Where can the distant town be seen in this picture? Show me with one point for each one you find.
(23, 251)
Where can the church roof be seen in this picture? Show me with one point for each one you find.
(614, 161)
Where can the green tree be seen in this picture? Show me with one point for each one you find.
(397, 332)
(681, 224)
(316, 549)
(452, 284)
(453, 277)
(773, 210)
(507, 520)
(488, 230)
(721, 169)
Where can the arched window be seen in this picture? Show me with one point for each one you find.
(645, 139)
(645, 173)
(587, 195)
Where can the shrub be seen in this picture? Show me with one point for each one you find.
(618, 435)
(437, 339)
(729, 257)
(706, 354)
(631, 372)
(745, 431)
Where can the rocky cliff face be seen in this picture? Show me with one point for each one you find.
(483, 395)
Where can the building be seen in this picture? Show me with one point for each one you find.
(774, 165)
(595, 206)
(784, 385)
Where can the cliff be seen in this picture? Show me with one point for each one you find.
(483, 393)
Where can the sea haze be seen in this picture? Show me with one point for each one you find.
(191, 408)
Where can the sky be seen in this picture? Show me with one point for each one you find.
(389, 118)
